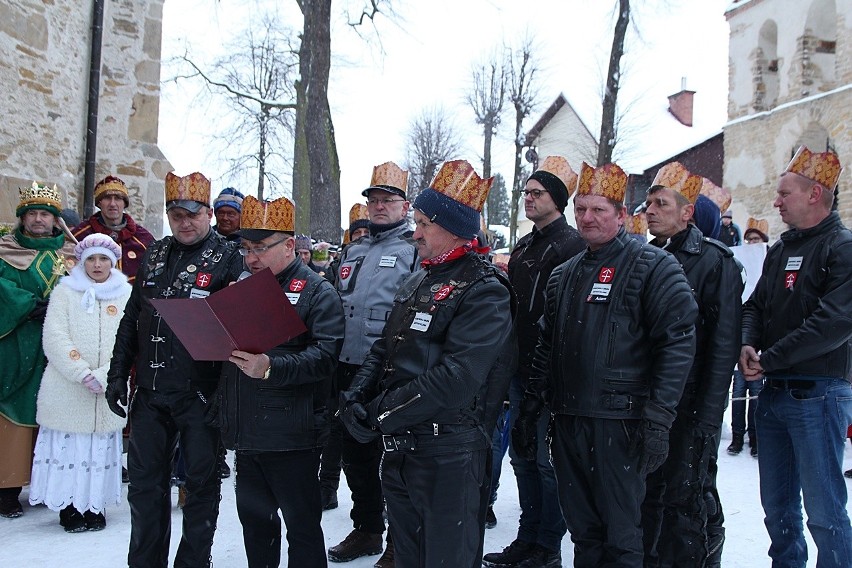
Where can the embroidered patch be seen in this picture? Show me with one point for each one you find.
(443, 292)
(75, 355)
(345, 271)
(111, 310)
(790, 279)
(297, 285)
(606, 274)
(203, 279)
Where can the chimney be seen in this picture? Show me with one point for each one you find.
(680, 104)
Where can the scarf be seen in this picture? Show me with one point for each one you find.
(113, 287)
(455, 253)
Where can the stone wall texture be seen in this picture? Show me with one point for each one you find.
(45, 50)
(811, 103)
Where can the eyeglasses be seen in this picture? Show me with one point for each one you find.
(385, 201)
(257, 251)
(536, 193)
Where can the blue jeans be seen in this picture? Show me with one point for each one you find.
(499, 445)
(738, 407)
(802, 434)
(541, 520)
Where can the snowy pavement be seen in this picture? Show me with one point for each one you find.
(36, 540)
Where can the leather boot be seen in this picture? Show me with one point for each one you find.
(355, 545)
(752, 444)
(736, 444)
(386, 560)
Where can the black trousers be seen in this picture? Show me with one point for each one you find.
(682, 514)
(269, 482)
(600, 489)
(361, 466)
(158, 420)
(435, 507)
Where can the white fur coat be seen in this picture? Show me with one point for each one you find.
(78, 343)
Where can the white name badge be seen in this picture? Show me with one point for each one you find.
(794, 263)
(421, 321)
(196, 293)
(600, 289)
(293, 297)
(387, 262)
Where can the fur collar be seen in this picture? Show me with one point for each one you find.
(114, 287)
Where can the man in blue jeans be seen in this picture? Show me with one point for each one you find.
(551, 242)
(796, 334)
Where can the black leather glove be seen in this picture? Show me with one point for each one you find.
(116, 392)
(525, 437)
(356, 419)
(651, 444)
(37, 313)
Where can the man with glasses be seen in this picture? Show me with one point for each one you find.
(172, 390)
(273, 405)
(371, 270)
(551, 242)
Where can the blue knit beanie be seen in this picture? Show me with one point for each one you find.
(457, 218)
(707, 217)
(229, 197)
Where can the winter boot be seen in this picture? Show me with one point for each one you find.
(517, 552)
(752, 444)
(10, 506)
(386, 560)
(71, 520)
(736, 444)
(490, 518)
(94, 521)
(328, 498)
(355, 545)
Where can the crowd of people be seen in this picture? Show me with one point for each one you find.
(603, 362)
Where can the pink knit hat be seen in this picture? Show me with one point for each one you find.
(98, 244)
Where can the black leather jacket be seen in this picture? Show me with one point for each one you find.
(171, 270)
(533, 259)
(798, 316)
(716, 280)
(618, 334)
(430, 369)
(288, 411)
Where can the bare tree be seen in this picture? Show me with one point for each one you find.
(432, 140)
(256, 83)
(486, 96)
(521, 72)
(608, 136)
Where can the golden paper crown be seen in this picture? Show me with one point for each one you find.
(194, 187)
(718, 195)
(822, 168)
(39, 196)
(761, 225)
(608, 181)
(358, 213)
(559, 166)
(676, 177)
(278, 215)
(346, 239)
(114, 185)
(636, 224)
(389, 174)
(459, 181)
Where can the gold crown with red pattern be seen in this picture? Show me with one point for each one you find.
(718, 195)
(112, 185)
(676, 177)
(559, 166)
(39, 196)
(388, 177)
(193, 187)
(823, 168)
(459, 181)
(608, 181)
(636, 224)
(278, 215)
(760, 225)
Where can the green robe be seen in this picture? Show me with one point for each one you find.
(21, 354)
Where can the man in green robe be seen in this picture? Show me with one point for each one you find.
(32, 260)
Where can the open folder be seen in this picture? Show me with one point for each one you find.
(252, 315)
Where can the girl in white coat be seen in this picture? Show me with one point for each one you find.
(77, 463)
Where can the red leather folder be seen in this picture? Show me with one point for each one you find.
(252, 315)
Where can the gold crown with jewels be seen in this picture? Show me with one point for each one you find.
(41, 197)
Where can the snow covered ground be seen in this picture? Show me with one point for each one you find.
(36, 540)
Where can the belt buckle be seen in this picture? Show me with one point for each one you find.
(390, 444)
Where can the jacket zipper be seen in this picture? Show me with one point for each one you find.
(405, 404)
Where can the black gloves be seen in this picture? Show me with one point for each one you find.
(37, 313)
(524, 432)
(356, 419)
(652, 446)
(116, 392)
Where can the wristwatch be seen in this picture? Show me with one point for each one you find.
(268, 369)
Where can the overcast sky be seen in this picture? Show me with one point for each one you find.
(421, 57)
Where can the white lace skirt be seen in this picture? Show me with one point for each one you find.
(79, 469)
